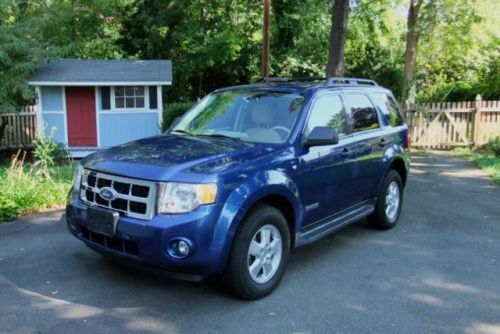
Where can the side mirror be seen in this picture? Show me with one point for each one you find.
(322, 136)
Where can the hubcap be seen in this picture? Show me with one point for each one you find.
(392, 200)
(264, 253)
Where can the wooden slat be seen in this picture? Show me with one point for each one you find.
(21, 128)
(449, 124)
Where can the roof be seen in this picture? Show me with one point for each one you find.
(301, 85)
(86, 72)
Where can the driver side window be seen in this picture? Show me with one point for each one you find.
(328, 111)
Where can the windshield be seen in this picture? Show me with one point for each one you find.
(248, 115)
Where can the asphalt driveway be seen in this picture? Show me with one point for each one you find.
(438, 271)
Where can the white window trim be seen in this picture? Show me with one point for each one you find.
(115, 110)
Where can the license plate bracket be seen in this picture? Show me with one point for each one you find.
(102, 221)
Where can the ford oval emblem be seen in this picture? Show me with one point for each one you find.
(108, 194)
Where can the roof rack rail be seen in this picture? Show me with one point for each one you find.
(304, 79)
(330, 81)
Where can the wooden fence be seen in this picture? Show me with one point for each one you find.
(19, 129)
(451, 124)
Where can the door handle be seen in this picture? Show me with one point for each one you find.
(346, 152)
(382, 143)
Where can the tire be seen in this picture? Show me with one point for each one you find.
(263, 223)
(385, 218)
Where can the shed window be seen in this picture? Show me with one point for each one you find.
(153, 99)
(129, 97)
(105, 98)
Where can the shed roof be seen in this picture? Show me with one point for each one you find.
(86, 72)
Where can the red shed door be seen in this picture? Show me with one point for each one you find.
(80, 108)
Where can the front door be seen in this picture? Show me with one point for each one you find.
(81, 116)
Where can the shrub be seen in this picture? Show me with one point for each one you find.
(26, 188)
(48, 152)
(173, 110)
(493, 146)
(8, 208)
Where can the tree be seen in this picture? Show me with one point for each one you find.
(412, 37)
(265, 39)
(338, 33)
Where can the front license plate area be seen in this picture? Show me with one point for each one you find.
(102, 221)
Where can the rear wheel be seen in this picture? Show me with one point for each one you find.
(259, 254)
(389, 203)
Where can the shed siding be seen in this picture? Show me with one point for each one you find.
(55, 121)
(52, 99)
(119, 128)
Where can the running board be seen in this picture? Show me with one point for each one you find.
(331, 224)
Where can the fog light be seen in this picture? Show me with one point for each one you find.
(183, 248)
(180, 248)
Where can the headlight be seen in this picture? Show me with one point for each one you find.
(185, 197)
(77, 178)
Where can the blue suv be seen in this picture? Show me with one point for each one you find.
(245, 176)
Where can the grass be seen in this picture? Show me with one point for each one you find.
(27, 188)
(487, 160)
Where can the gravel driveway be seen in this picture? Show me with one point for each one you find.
(438, 271)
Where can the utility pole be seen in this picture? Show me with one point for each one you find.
(265, 39)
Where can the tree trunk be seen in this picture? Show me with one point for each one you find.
(412, 37)
(338, 33)
(265, 39)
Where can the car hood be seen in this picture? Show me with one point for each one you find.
(174, 157)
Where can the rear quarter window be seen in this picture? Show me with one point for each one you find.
(389, 108)
(362, 113)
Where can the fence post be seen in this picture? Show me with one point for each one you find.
(477, 120)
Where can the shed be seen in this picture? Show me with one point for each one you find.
(94, 104)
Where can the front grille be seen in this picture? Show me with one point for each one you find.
(131, 197)
(118, 244)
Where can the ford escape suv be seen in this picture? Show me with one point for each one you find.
(246, 175)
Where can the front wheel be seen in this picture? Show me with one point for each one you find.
(259, 254)
(389, 203)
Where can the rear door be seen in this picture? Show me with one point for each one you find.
(327, 172)
(369, 142)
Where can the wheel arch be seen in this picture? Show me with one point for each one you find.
(271, 188)
(397, 161)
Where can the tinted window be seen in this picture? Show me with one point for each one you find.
(363, 114)
(328, 111)
(389, 108)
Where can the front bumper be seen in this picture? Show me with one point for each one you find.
(141, 242)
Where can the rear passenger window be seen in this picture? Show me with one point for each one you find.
(363, 113)
(328, 111)
(389, 108)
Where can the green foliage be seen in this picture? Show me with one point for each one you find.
(486, 157)
(20, 51)
(172, 111)
(49, 153)
(493, 146)
(459, 51)
(44, 184)
(490, 164)
(24, 189)
(215, 43)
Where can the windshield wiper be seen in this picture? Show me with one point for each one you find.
(218, 135)
(183, 132)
